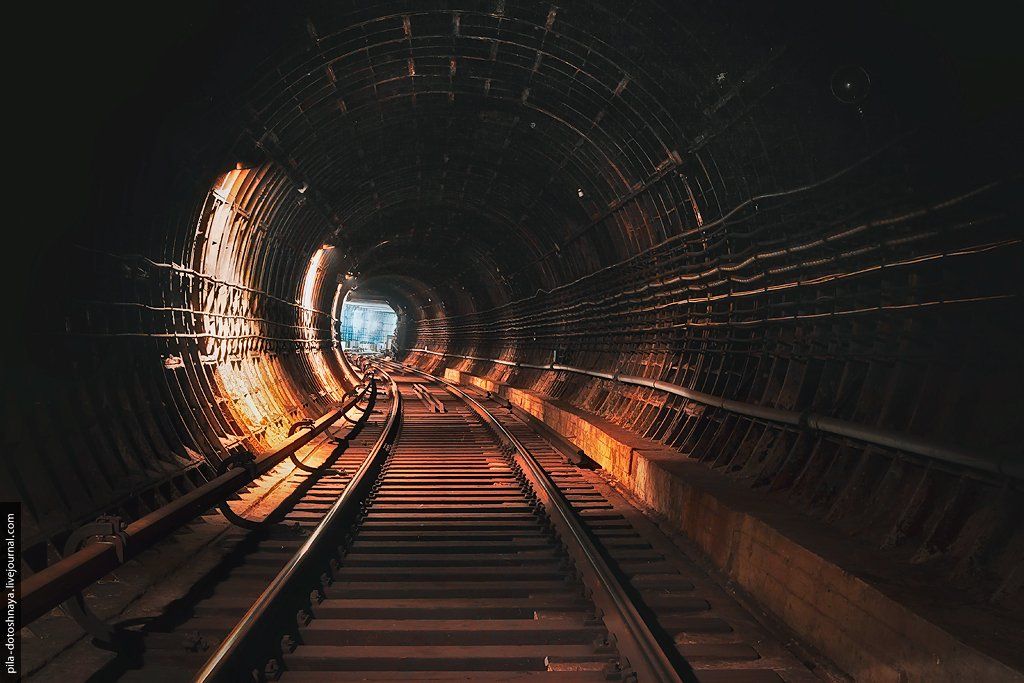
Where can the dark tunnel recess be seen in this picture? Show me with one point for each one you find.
(815, 211)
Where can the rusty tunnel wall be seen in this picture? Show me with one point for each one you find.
(178, 348)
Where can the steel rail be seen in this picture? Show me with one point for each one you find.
(878, 436)
(60, 581)
(634, 639)
(245, 638)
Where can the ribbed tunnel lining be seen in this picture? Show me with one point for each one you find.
(666, 193)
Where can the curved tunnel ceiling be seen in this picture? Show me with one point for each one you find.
(811, 211)
(574, 136)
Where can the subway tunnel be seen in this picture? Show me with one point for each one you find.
(753, 271)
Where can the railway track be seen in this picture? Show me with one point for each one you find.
(448, 563)
(450, 541)
(174, 645)
(709, 632)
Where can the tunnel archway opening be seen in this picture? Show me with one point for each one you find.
(368, 324)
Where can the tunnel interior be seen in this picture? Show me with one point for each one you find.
(804, 210)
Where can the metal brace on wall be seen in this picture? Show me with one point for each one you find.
(247, 461)
(308, 424)
(107, 529)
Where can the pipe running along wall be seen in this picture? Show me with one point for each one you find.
(822, 423)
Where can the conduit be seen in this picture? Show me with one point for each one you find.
(808, 420)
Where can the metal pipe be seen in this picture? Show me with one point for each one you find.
(51, 586)
(822, 423)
